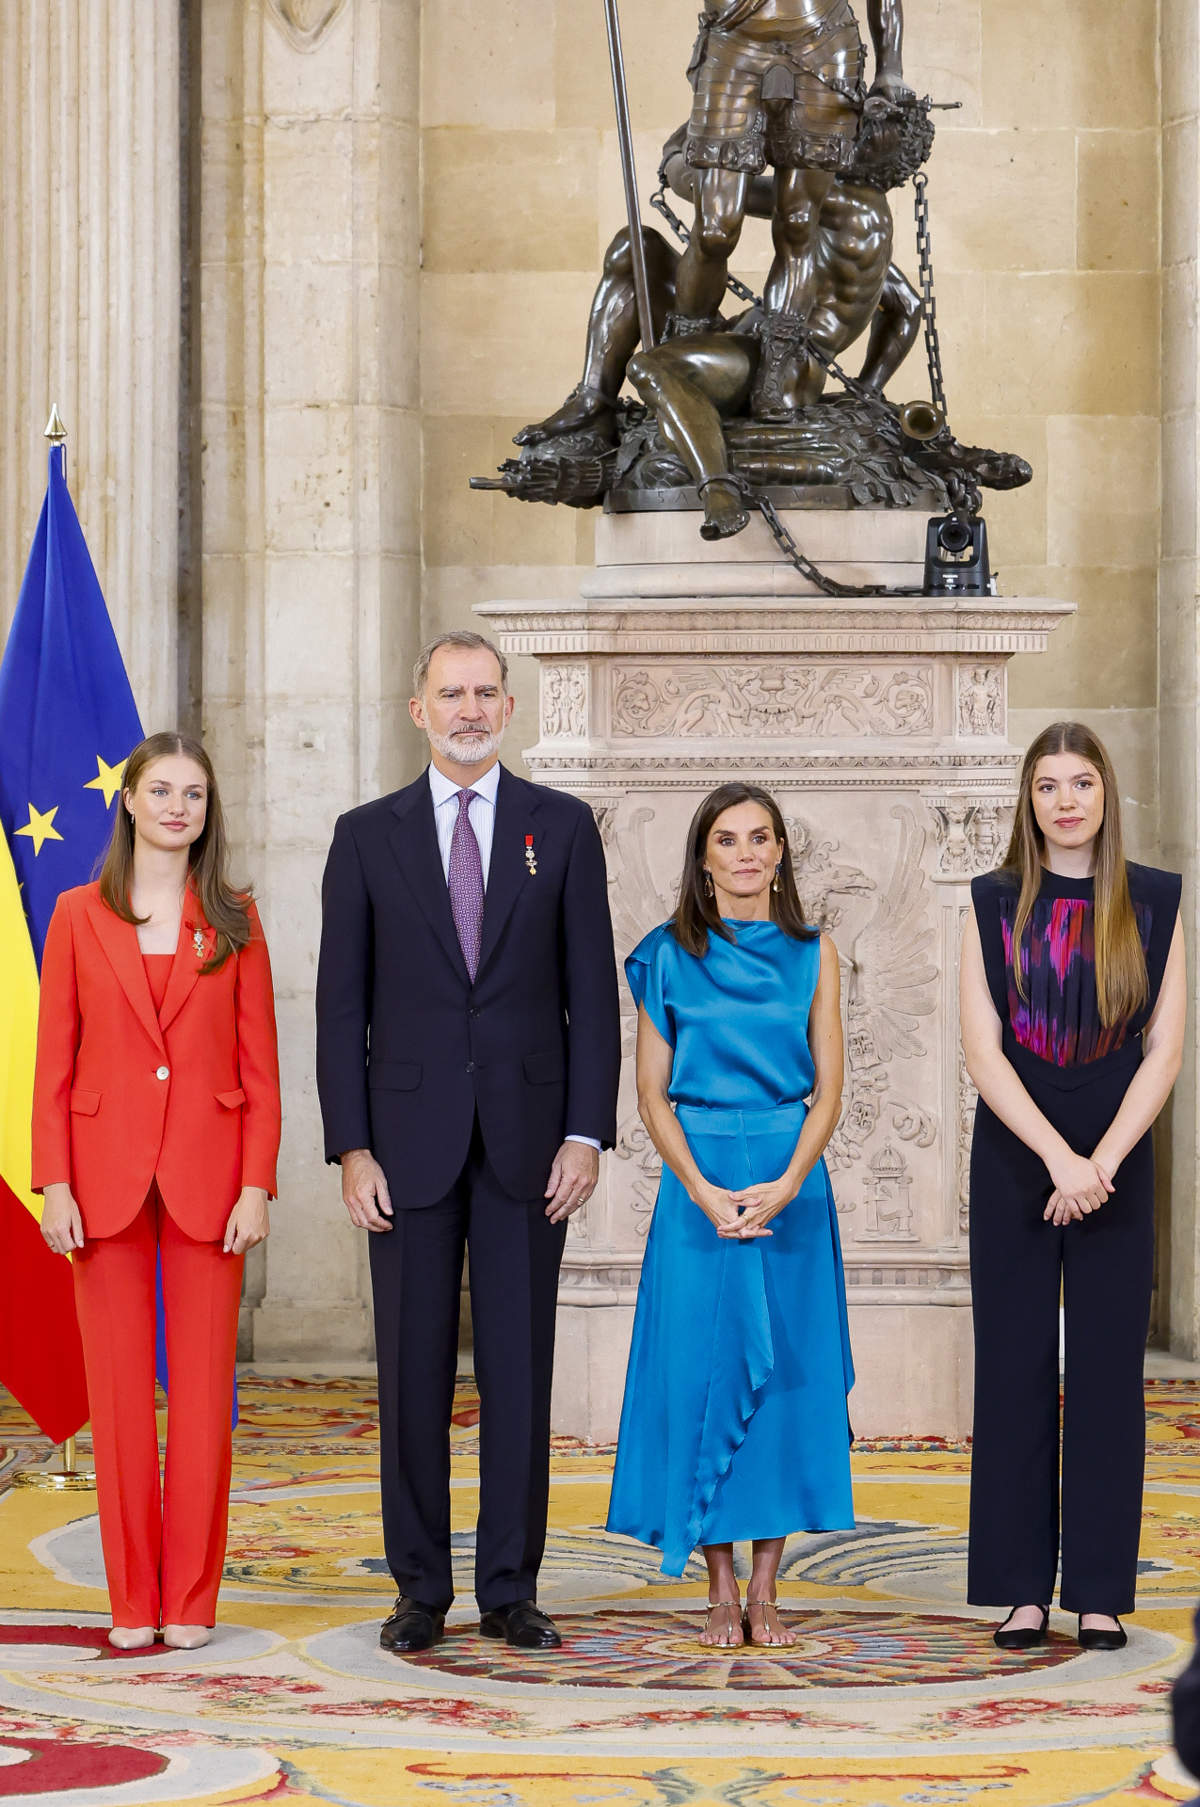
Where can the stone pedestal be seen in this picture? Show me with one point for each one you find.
(880, 724)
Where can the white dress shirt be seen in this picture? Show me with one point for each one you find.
(482, 816)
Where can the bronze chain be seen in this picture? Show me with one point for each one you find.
(831, 586)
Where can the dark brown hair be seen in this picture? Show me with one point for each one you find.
(696, 915)
(226, 907)
(1122, 986)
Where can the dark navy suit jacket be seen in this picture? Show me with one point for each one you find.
(409, 1050)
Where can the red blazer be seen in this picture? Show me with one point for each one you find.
(120, 1099)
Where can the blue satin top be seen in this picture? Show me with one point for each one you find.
(737, 1018)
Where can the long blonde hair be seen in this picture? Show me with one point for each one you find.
(226, 907)
(1122, 985)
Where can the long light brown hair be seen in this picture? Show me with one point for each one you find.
(1122, 986)
(696, 914)
(226, 906)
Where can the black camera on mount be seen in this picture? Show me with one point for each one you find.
(956, 556)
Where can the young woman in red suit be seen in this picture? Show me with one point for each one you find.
(155, 1133)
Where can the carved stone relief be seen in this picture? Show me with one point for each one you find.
(634, 1145)
(890, 985)
(304, 22)
(971, 835)
(889, 1198)
(564, 702)
(822, 879)
(967, 1096)
(980, 699)
(771, 699)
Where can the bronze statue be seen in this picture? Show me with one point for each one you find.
(692, 382)
(778, 82)
(856, 288)
(783, 127)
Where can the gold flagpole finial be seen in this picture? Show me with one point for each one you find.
(55, 431)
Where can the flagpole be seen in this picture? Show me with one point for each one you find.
(56, 433)
(633, 209)
(70, 1479)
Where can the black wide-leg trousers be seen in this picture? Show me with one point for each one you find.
(416, 1276)
(1104, 1267)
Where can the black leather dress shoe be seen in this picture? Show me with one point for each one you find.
(1021, 1637)
(411, 1625)
(1102, 1637)
(523, 1625)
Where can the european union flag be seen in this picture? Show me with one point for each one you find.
(68, 720)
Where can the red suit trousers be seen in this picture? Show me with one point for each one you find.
(164, 1544)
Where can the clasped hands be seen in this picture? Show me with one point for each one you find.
(1081, 1186)
(742, 1216)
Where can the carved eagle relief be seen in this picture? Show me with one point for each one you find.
(892, 977)
(889, 984)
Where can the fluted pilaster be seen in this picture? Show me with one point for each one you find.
(310, 477)
(90, 209)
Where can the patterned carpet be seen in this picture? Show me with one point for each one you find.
(894, 1695)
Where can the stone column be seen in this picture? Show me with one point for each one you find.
(880, 724)
(310, 467)
(90, 306)
(1179, 592)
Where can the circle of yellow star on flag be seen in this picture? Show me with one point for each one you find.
(40, 827)
(108, 779)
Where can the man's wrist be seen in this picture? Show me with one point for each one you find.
(588, 1141)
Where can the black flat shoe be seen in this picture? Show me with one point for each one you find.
(1021, 1637)
(1102, 1637)
(523, 1625)
(411, 1625)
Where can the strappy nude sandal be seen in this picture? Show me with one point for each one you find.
(734, 1609)
(748, 1633)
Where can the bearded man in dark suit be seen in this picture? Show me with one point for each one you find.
(467, 1063)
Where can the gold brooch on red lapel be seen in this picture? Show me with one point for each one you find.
(530, 856)
(198, 942)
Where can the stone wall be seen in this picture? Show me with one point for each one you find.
(1044, 200)
(1179, 587)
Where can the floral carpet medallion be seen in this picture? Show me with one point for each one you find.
(893, 1695)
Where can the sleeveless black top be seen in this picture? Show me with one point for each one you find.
(1059, 1018)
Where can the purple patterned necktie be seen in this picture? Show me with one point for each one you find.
(465, 878)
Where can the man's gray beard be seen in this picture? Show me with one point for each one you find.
(467, 749)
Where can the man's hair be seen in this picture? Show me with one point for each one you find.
(459, 636)
(888, 152)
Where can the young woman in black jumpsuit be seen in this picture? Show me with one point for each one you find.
(1074, 1050)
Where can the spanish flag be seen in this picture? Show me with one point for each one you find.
(67, 725)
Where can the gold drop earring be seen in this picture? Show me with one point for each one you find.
(709, 890)
(775, 880)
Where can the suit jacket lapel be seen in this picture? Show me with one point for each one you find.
(190, 955)
(516, 816)
(414, 842)
(120, 944)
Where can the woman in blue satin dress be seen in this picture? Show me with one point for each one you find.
(734, 1425)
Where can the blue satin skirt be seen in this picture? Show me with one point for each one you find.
(734, 1424)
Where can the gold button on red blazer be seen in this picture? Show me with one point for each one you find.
(124, 1095)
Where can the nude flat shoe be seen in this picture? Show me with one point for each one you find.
(131, 1637)
(186, 1637)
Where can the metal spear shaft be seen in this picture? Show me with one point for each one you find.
(633, 210)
